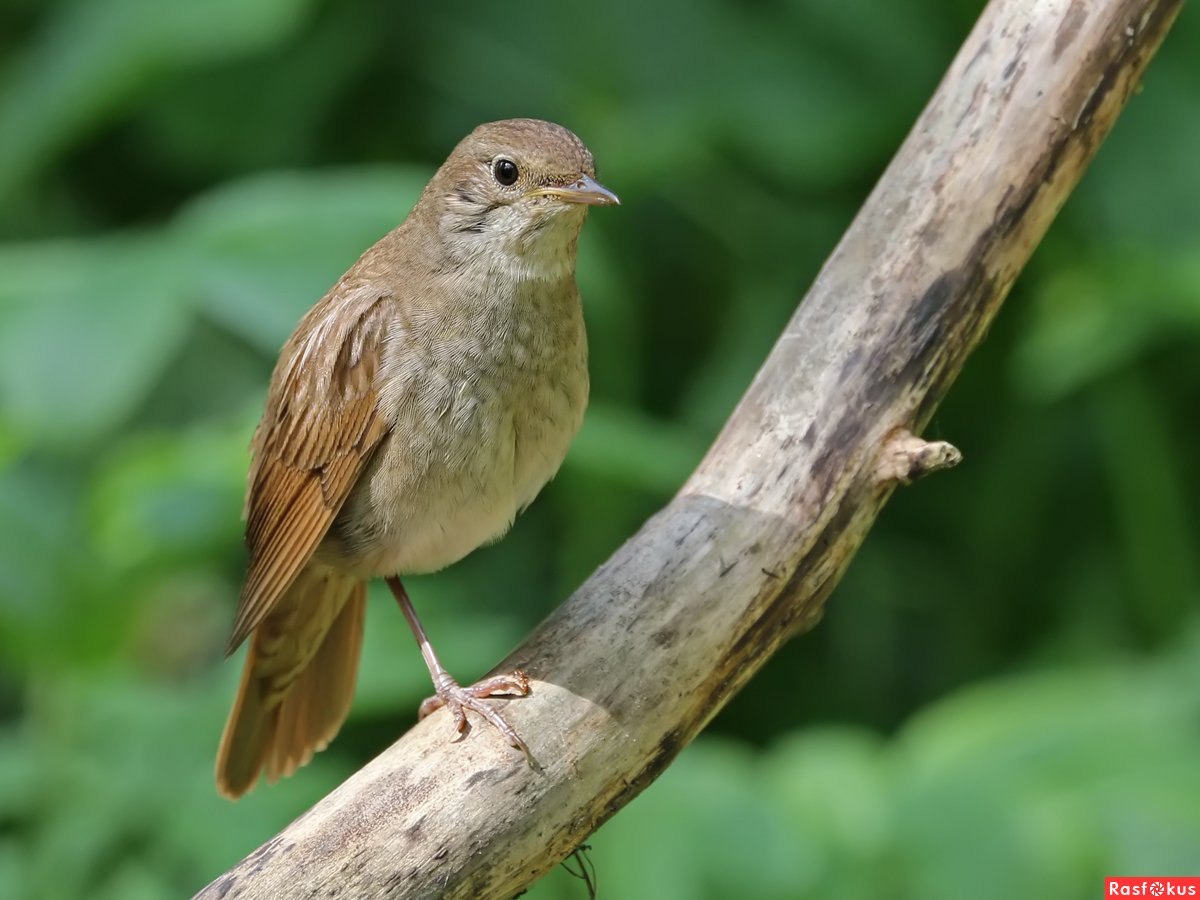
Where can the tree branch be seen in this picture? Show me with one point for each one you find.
(633, 665)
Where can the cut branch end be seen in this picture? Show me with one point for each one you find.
(906, 457)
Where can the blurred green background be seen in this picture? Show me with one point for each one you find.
(1005, 691)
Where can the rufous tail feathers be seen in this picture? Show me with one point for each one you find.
(298, 681)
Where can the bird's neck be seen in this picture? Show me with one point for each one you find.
(544, 258)
(543, 254)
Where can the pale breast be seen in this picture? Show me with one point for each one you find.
(482, 418)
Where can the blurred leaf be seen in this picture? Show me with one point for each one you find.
(20, 787)
(93, 55)
(104, 749)
(14, 868)
(174, 497)
(85, 329)
(38, 523)
(636, 450)
(754, 322)
(1146, 483)
(610, 309)
(1091, 318)
(1038, 785)
(265, 249)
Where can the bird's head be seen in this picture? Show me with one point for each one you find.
(514, 195)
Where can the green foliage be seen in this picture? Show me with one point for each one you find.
(1003, 697)
(1038, 786)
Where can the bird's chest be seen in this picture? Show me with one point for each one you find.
(512, 406)
(482, 415)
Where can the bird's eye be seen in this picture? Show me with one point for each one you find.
(505, 171)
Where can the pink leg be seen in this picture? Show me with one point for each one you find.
(450, 694)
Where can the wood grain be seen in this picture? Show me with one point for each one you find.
(633, 665)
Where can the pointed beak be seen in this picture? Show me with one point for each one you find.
(586, 190)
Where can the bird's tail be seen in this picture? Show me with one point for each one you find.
(298, 681)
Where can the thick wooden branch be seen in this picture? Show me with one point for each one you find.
(633, 665)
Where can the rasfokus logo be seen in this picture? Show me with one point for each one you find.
(1159, 886)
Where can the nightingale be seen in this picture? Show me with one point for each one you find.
(421, 404)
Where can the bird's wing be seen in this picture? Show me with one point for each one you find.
(320, 428)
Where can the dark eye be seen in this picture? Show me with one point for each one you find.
(505, 171)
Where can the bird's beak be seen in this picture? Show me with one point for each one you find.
(586, 190)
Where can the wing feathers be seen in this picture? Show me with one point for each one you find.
(320, 427)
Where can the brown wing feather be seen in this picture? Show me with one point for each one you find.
(320, 427)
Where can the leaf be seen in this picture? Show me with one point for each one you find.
(91, 56)
(1091, 319)
(266, 249)
(169, 497)
(86, 327)
(634, 449)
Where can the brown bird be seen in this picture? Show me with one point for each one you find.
(417, 408)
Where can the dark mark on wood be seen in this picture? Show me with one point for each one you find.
(664, 637)
(414, 830)
(483, 775)
(1072, 22)
(668, 748)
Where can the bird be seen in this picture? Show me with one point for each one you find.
(418, 407)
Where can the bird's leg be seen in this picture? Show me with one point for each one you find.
(450, 694)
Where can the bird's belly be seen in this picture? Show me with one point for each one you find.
(453, 476)
(449, 527)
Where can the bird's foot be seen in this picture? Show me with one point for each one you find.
(458, 700)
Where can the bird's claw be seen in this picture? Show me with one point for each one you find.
(458, 699)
